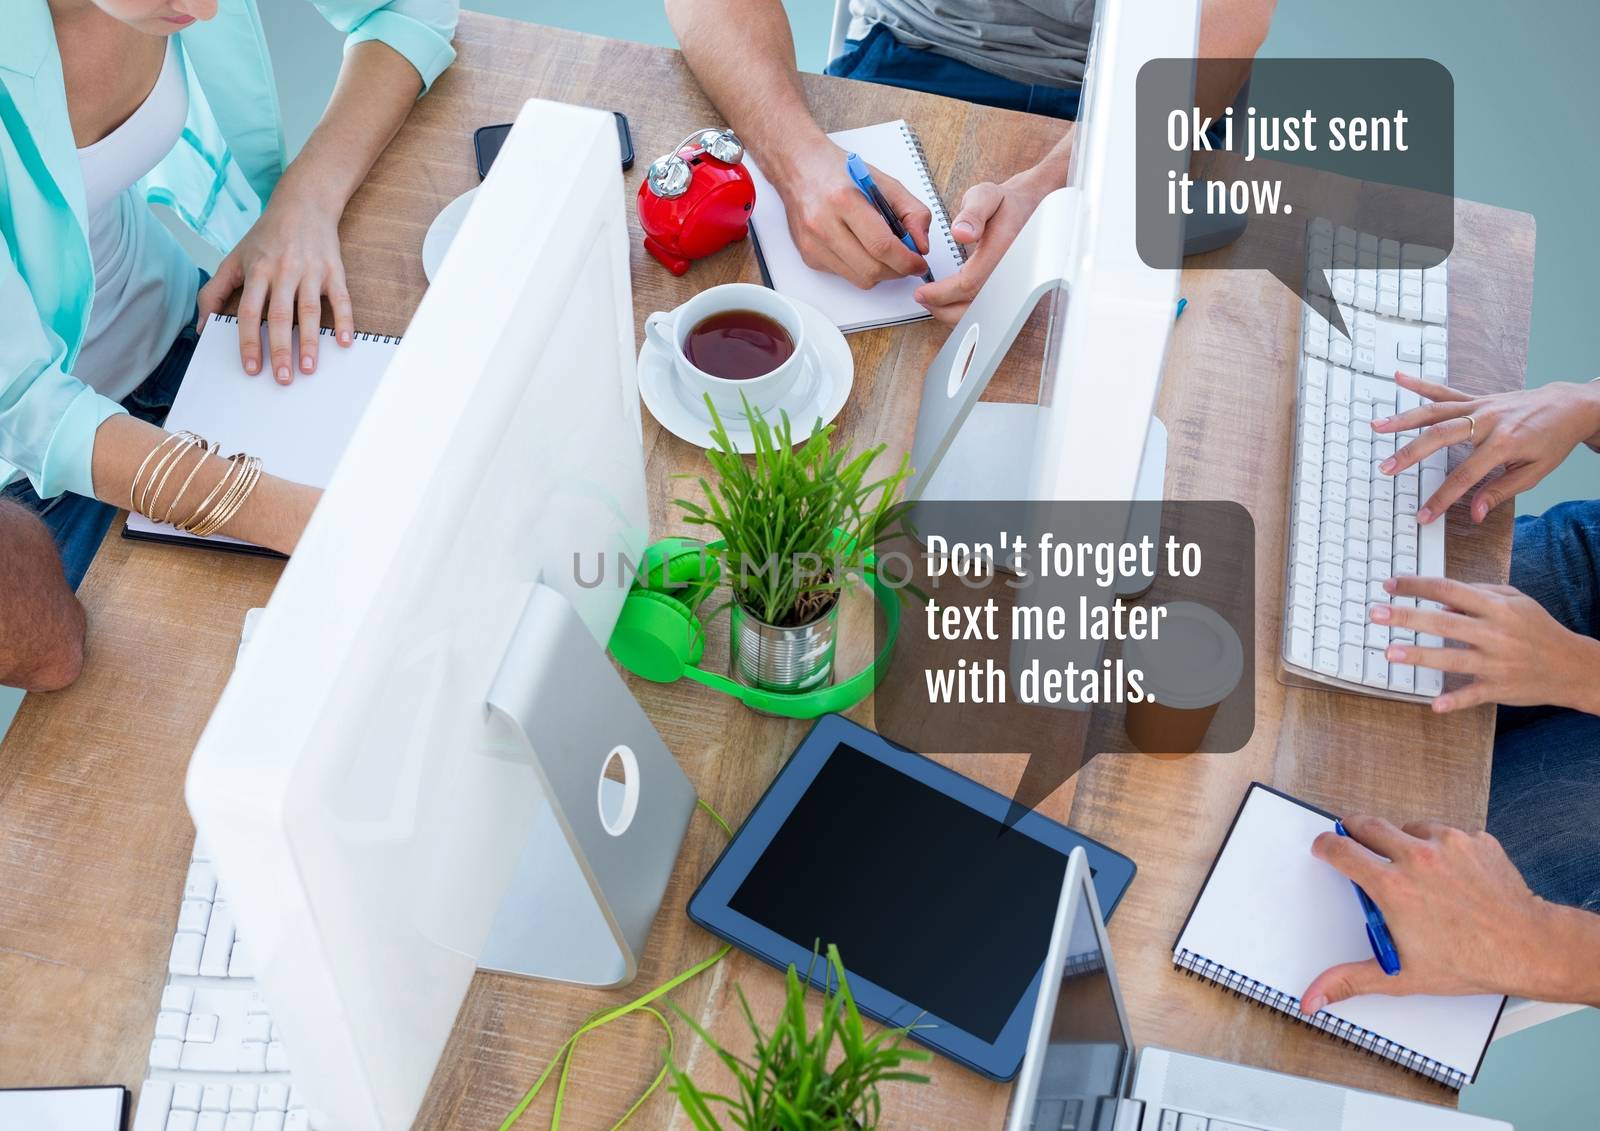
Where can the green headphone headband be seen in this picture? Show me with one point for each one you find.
(659, 637)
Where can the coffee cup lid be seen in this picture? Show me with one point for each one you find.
(1196, 661)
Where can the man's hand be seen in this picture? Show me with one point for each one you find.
(1527, 432)
(1463, 920)
(1515, 651)
(285, 263)
(991, 216)
(836, 227)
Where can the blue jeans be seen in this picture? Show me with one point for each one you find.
(881, 58)
(1544, 795)
(79, 523)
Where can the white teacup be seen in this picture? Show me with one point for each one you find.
(669, 329)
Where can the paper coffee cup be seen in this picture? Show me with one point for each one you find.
(1188, 671)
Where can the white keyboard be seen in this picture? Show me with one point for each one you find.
(1351, 526)
(216, 1061)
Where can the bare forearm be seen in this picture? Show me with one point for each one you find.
(742, 54)
(273, 516)
(376, 89)
(1231, 32)
(1566, 967)
(41, 622)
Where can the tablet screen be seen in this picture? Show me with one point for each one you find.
(934, 901)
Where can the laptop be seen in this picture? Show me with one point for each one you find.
(1080, 1071)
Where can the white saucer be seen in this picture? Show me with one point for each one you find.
(442, 232)
(820, 391)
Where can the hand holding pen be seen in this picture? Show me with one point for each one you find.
(1458, 913)
(862, 176)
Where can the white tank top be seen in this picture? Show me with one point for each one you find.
(144, 282)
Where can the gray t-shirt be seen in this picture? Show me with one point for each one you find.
(1032, 41)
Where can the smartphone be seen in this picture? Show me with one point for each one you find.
(488, 140)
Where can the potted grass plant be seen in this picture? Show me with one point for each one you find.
(797, 1078)
(792, 524)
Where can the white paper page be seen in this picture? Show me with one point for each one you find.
(299, 430)
(62, 1109)
(1279, 916)
(886, 148)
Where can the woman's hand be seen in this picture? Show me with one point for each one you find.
(285, 264)
(1515, 652)
(1528, 433)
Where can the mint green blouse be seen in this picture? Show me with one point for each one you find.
(225, 165)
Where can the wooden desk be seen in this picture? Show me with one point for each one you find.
(94, 838)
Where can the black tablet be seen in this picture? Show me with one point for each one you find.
(941, 914)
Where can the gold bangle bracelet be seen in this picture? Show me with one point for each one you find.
(233, 499)
(194, 520)
(162, 471)
(206, 450)
(133, 486)
(246, 488)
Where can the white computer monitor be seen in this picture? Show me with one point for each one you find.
(1111, 314)
(404, 777)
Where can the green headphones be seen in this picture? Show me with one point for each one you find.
(659, 637)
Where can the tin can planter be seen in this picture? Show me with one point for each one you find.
(782, 658)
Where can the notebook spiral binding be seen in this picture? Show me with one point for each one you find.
(943, 216)
(1365, 1039)
(326, 332)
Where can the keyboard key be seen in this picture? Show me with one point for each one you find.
(252, 1058)
(164, 1053)
(1299, 651)
(242, 1097)
(186, 1097)
(171, 1025)
(219, 943)
(1187, 1122)
(185, 954)
(1430, 681)
(240, 1121)
(155, 1098)
(1377, 669)
(277, 1059)
(1350, 662)
(1326, 661)
(273, 1097)
(177, 998)
(202, 1029)
(258, 1028)
(201, 883)
(1402, 677)
(214, 1098)
(268, 1121)
(182, 1121)
(297, 1121)
(212, 1121)
(193, 916)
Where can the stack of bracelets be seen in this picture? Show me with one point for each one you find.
(215, 510)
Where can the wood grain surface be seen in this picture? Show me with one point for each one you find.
(94, 837)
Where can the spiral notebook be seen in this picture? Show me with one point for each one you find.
(1271, 917)
(892, 148)
(299, 430)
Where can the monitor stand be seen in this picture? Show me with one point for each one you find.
(965, 450)
(603, 846)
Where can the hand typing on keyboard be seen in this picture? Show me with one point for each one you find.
(1527, 433)
(1515, 651)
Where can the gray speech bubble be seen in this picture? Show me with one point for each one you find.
(1367, 145)
(973, 673)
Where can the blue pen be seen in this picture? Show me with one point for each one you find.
(1377, 930)
(862, 176)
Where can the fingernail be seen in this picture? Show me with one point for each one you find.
(252, 366)
(1424, 515)
(1316, 1003)
(1394, 652)
(1379, 422)
(1387, 465)
(1388, 585)
(306, 363)
(344, 337)
(283, 374)
(1379, 613)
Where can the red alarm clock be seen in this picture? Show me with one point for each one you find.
(697, 199)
